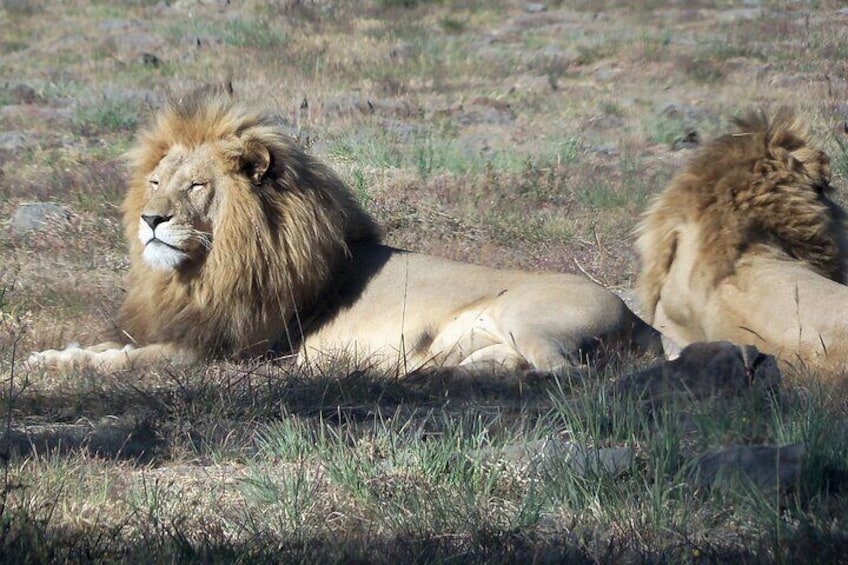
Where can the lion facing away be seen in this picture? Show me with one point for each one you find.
(745, 245)
(241, 244)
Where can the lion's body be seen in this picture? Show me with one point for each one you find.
(744, 245)
(440, 312)
(241, 244)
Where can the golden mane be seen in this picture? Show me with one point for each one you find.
(764, 189)
(277, 242)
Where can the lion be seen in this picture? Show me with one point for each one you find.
(746, 245)
(242, 245)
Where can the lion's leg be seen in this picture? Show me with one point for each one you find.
(543, 353)
(105, 346)
(673, 336)
(498, 355)
(111, 356)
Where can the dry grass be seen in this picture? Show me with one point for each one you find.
(482, 131)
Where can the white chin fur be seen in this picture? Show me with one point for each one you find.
(162, 257)
(156, 253)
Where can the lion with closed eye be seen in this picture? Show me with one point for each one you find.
(242, 244)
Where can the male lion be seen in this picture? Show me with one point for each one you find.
(241, 244)
(745, 245)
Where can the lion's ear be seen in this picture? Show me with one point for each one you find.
(818, 167)
(256, 160)
(812, 162)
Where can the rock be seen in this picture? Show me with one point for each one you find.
(110, 437)
(737, 14)
(535, 7)
(24, 94)
(403, 51)
(771, 468)
(533, 84)
(688, 140)
(38, 216)
(554, 456)
(704, 370)
(12, 141)
(32, 113)
(628, 295)
(551, 58)
(115, 26)
(684, 112)
(149, 60)
(606, 74)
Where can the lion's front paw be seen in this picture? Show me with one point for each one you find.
(56, 357)
(73, 355)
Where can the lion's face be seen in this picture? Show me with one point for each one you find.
(183, 196)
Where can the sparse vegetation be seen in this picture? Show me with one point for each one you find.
(106, 116)
(497, 132)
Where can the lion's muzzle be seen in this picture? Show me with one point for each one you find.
(163, 242)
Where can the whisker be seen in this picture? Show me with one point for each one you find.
(204, 238)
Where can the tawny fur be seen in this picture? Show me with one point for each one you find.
(765, 187)
(746, 245)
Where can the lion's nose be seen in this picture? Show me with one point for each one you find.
(154, 220)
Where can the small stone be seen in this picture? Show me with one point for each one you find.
(535, 7)
(704, 370)
(688, 140)
(12, 141)
(114, 25)
(589, 461)
(737, 14)
(38, 216)
(25, 94)
(150, 60)
(771, 468)
(679, 111)
(554, 456)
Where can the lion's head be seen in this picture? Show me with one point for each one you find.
(234, 231)
(764, 189)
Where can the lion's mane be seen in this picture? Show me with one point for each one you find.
(277, 245)
(764, 189)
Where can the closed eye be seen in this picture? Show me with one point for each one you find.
(198, 185)
(154, 183)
